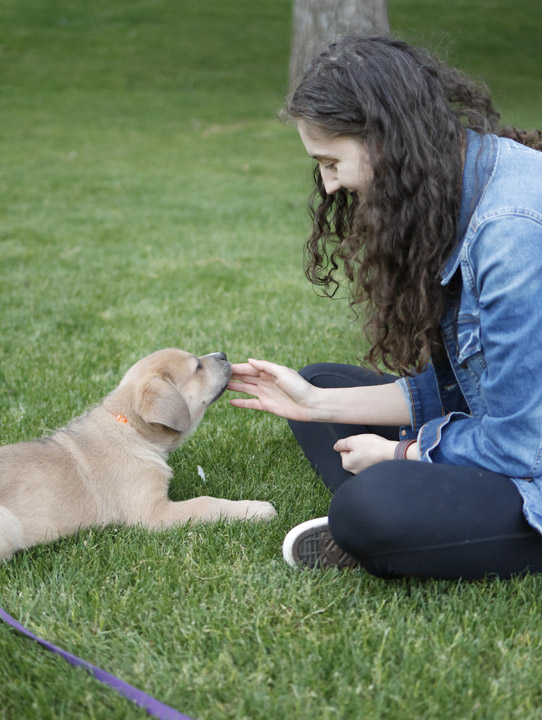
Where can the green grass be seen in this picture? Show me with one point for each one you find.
(150, 199)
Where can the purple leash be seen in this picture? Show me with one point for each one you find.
(151, 705)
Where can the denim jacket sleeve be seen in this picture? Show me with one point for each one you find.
(498, 358)
(422, 397)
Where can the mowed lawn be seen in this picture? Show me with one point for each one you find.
(150, 198)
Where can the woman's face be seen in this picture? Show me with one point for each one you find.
(344, 161)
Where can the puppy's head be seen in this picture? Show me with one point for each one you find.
(165, 394)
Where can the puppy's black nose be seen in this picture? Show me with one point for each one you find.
(221, 355)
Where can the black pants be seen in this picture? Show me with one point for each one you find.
(403, 518)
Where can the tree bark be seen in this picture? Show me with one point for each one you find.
(316, 23)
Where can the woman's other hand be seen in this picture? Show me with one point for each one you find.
(361, 451)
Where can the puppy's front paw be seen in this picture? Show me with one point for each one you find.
(257, 510)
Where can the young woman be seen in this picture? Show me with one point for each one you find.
(433, 211)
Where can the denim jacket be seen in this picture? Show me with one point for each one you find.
(481, 406)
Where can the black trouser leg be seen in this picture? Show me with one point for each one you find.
(317, 439)
(405, 518)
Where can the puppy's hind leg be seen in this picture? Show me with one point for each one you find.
(11, 534)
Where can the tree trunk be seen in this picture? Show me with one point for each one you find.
(316, 23)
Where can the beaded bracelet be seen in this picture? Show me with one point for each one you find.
(401, 449)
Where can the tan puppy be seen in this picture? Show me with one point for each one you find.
(109, 465)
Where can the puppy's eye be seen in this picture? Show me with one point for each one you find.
(199, 366)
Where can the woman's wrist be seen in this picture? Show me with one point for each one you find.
(406, 450)
(318, 405)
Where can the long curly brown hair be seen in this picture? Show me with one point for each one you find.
(411, 111)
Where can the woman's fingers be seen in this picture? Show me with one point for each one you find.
(243, 385)
(342, 445)
(256, 369)
(277, 389)
(247, 404)
(244, 369)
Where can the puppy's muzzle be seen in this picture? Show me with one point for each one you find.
(218, 356)
(224, 368)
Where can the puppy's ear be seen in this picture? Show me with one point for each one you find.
(158, 401)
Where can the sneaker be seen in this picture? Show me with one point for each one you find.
(311, 545)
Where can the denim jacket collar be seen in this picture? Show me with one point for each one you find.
(480, 159)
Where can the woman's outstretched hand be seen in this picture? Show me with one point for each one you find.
(276, 389)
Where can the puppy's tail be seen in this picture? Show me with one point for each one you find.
(11, 534)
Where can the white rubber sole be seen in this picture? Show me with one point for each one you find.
(303, 533)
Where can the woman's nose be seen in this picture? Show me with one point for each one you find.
(332, 187)
(330, 181)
